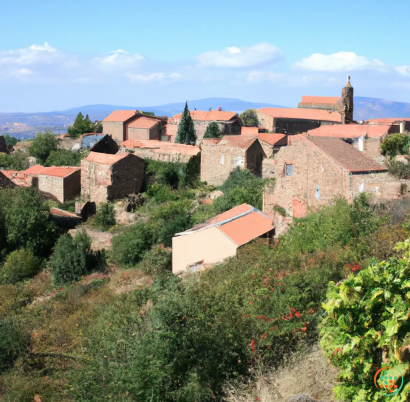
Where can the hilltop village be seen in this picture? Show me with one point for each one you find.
(315, 153)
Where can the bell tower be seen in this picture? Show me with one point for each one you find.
(347, 102)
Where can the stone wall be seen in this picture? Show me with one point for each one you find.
(268, 169)
(135, 133)
(116, 129)
(149, 153)
(52, 185)
(371, 146)
(266, 121)
(95, 178)
(254, 158)
(5, 181)
(72, 185)
(294, 126)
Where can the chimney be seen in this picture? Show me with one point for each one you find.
(402, 127)
(219, 109)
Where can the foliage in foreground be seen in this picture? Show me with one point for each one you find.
(367, 327)
(19, 265)
(399, 169)
(213, 130)
(104, 219)
(64, 157)
(249, 118)
(42, 145)
(12, 342)
(15, 161)
(396, 144)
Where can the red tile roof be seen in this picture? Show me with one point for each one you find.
(61, 212)
(241, 224)
(120, 115)
(303, 114)
(56, 171)
(249, 130)
(345, 155)
(162, 147)
(320, 99)
(105, 159)
(144, 122)
(350, 130)
(18, 178)
(388, 121)
(272, 138)
(237, 141)
(200, 115)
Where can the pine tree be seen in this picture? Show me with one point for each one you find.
(186, 130)
(213, 130)
(81, 126)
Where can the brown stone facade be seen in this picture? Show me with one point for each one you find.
(219, 160)
(152, 133)
(116, 129)
(315, 180)
(147, 153)
(60, 188)
(102, 182)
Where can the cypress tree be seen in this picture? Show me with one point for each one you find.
(186, 130)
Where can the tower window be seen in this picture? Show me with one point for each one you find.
(289, 169)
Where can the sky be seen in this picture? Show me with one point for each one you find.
(55, 55)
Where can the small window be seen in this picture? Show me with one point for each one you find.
(222, 159)
(361, 188)
(317, 192)
(194, 267)
(289, 170)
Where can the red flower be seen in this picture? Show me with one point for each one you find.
(268, 346)
(294, 330)
(263, 336)
(267, 320)
(250, 303)
(290, 315)
(284, 318)
(292, 310)
(304, 329)
(253, 345)
(297, 314)
(272, 328)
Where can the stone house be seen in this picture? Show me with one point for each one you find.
(106, 177)
(61, 183)
(215, 240)
(160, 150)
(312, 171)
(117, 125)
(364, 137)
(229, 122)
(272, 143)
(220, 156)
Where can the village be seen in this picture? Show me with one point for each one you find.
(313, 155)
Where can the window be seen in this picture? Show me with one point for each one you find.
(289, 169)
(222, 159)
(361, 188)
(317, 192)
(194, 267)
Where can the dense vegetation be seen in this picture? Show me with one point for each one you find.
(11, 141)
(396, 144)
(83, 125)
(14, 161)
(142, 334)
(42, 146)
(213, 130)
(249, 118)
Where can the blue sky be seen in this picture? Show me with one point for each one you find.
(56, 55)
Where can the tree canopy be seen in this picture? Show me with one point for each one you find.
(249, 118)
(10, 140)
(81, 126)
(43, 145)
(396, 144)
(213, 130)
(14, 161)
(186, 131)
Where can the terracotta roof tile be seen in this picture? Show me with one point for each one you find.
(144, 122)
(388, 121)
(57, 171)
(345, 155)
(105, 159)
(320, 99)
(238, 141)
(200, 115)
(249, 130)
(18, 178)
(304, 114)
(61, 212)
(273, 139)
(238, 210)
(162, 147)
(120, 115)
(35, 169)
(350, 130)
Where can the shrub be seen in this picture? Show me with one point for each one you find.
(15, 161)
(399, 169)
(367, 327)
(12, 342)
(11, 140)
(104, 218)
(42, 146)
(249, 118)
(157, 261)
(73, 258)
(19, 265)
(64, 157)
(81, 126)
(396, 144)
(213, 130)
(163, 173)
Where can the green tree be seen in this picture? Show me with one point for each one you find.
(42, 146)
(396, 144)
(98, 127)
(19, 265)
(186, 131)
(11, 141)
(213, 130)
(15, 161)
(249, 118)
(12, 342)
(64, 157)
(81, 126)
(105, 218)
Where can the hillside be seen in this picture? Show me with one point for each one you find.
(25, 125)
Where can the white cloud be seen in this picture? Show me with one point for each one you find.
(145, 78)
(258, 76)
(235, 57)
(341, 61)
(23, 71)
(175, 76)
(403, 70)
(118, 60)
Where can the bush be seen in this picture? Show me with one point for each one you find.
(367, 327)
(249, 118)
(81, 126)
(157, 261)
(63, 157)
(42, 146)
(15, 161)
(73, 258)
(19, 265)
(104, 218)
(12, 342)
(396, 144)
(163, 173)
(213, 130)
(11, 141)
(399, 169)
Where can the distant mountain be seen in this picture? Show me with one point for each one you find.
(25, 125)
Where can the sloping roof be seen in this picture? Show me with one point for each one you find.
(238, 141)
(62, 212)
(320, 99)
(162, 147)
(56, 171)
(350, 130)
(105, 159)
(249, 130)
(272, 138)
(144, 122)
(345, 155)
(18, 178)
(120, 115)
(388, 121)
(213, 115)
(241, 224)
(302, 114)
